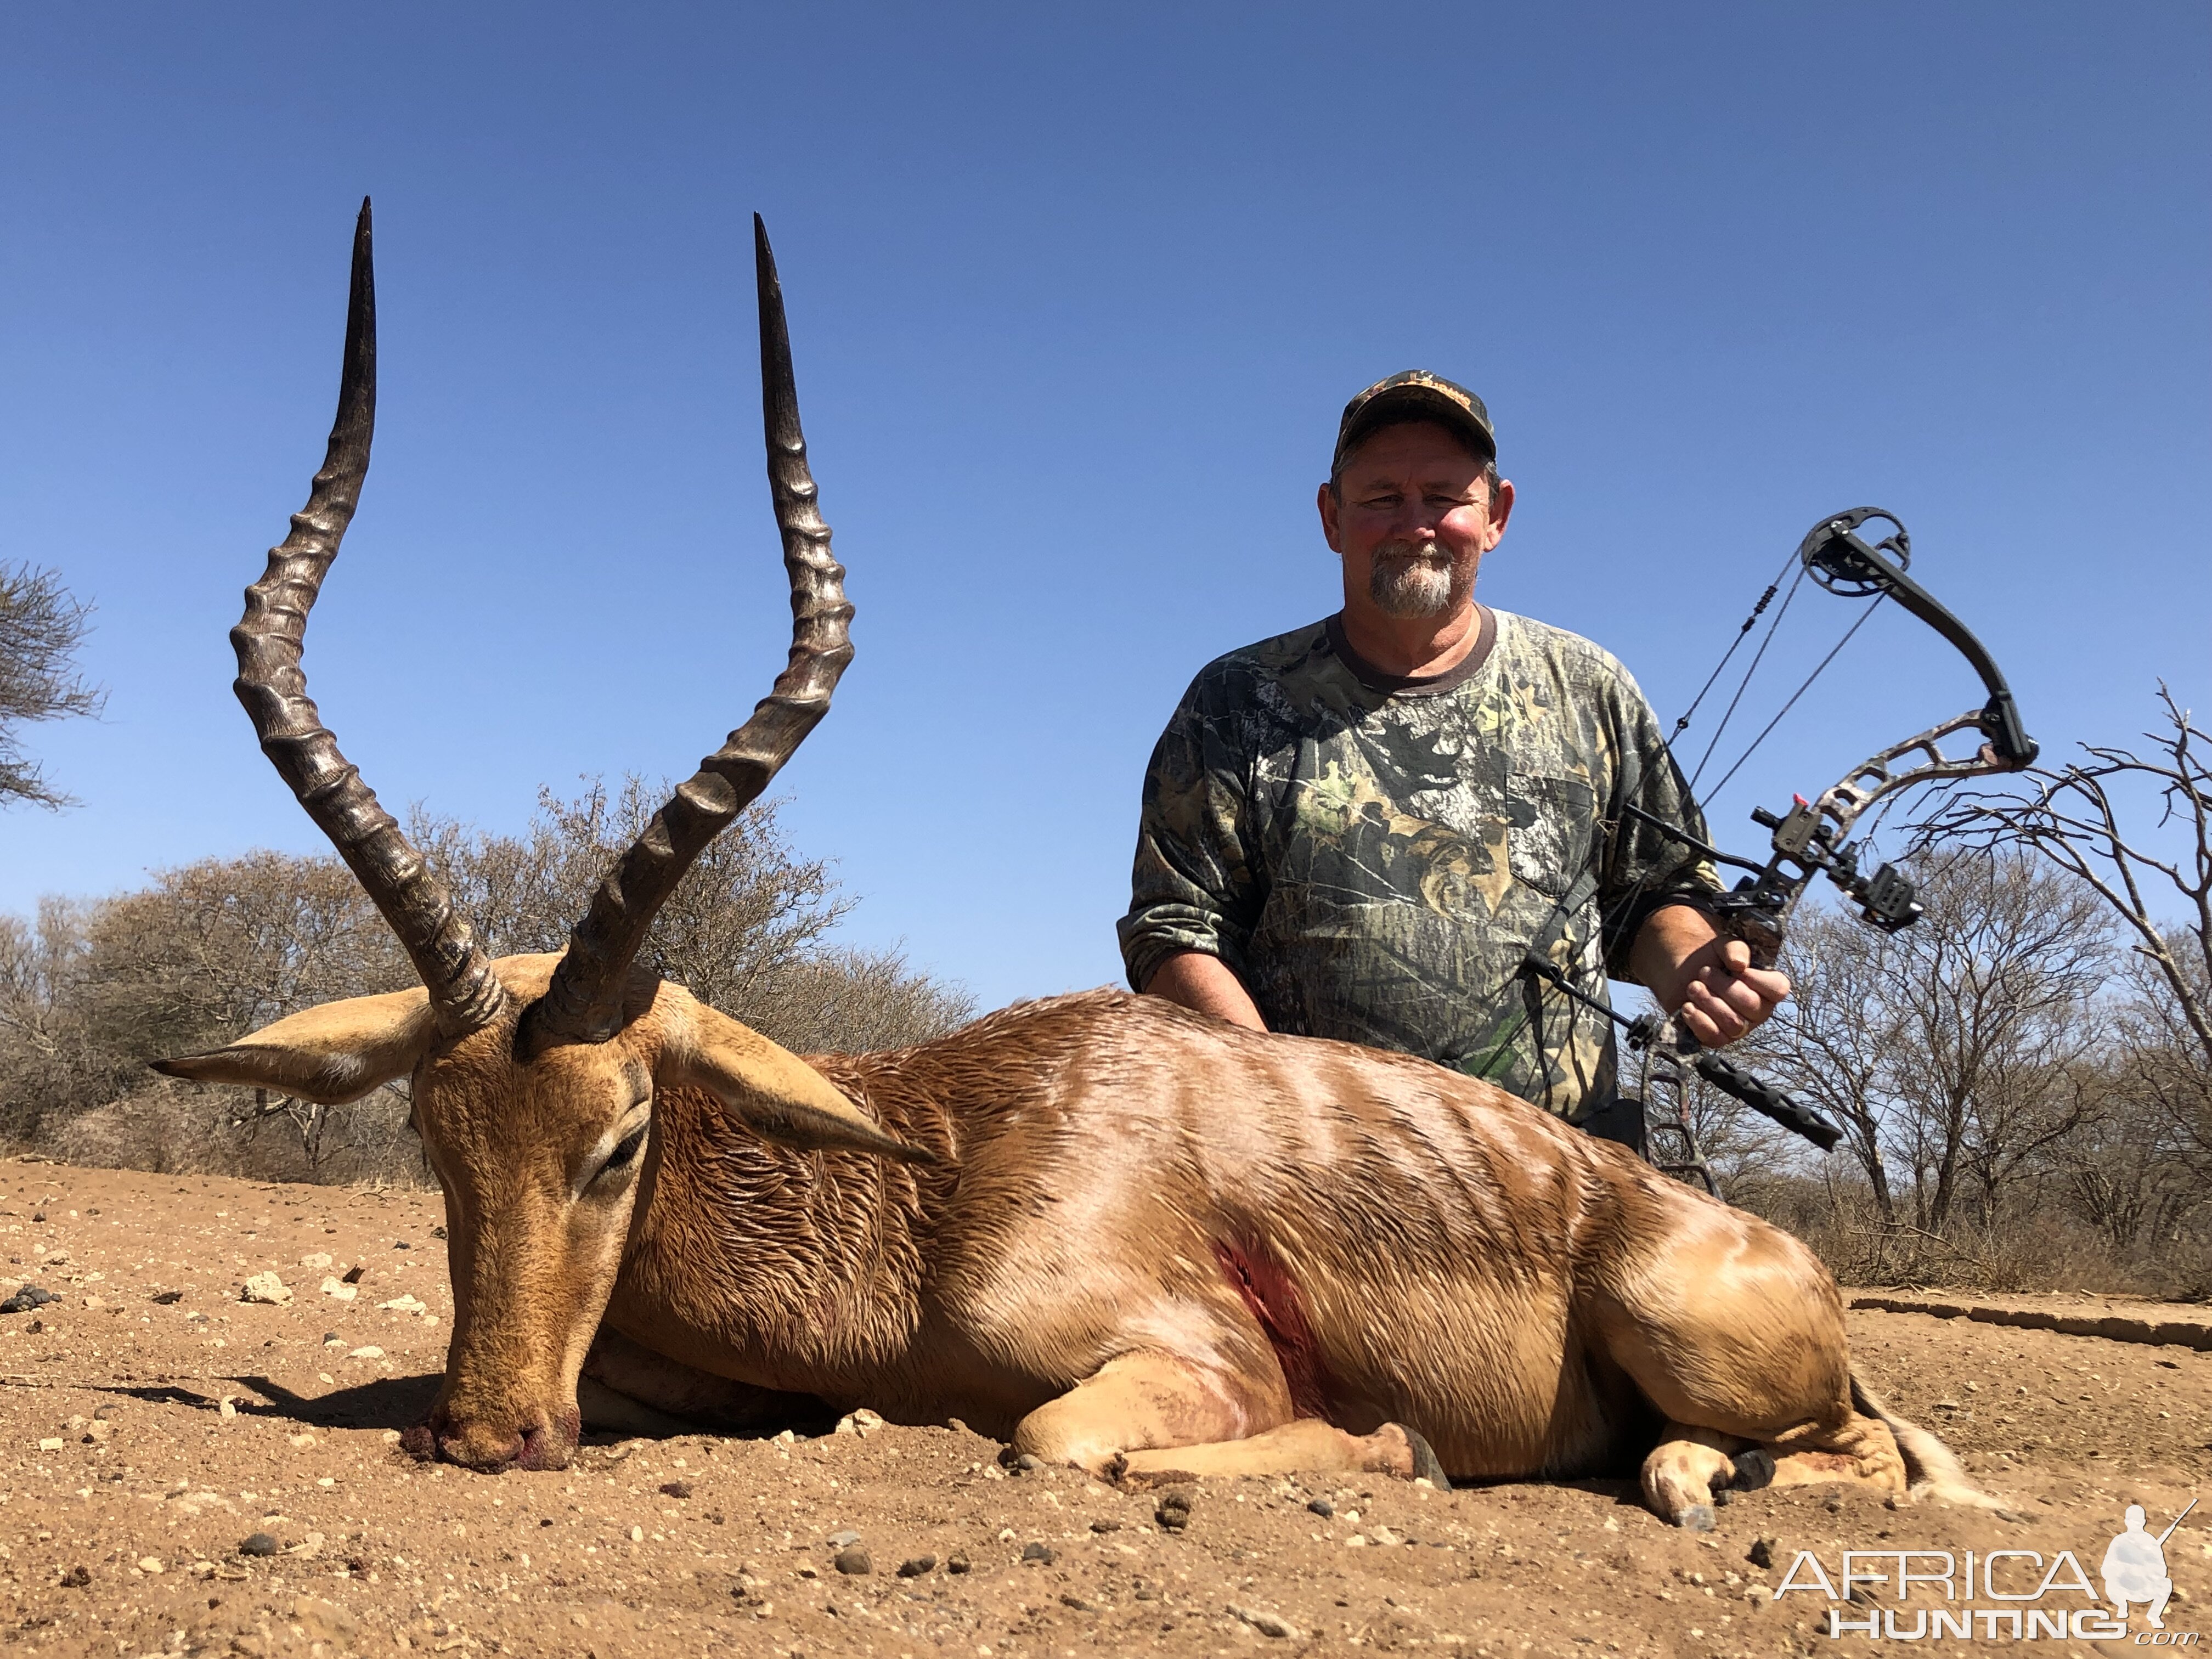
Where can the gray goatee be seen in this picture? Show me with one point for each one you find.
(1415, 579)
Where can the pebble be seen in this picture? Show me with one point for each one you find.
(335, 1286)
(76, 1577)
(149, 1564)
(676, 1488)
(1266, 1623)
(1173, 1512)
(1105, 1526)
(853, 1562)
(914, 1566)
(838, 1541)
(958, 1562)
(1029, 1462)
(370, 1353)
(266, 1288)
(28, 1298)
(259, 1543)
(167, 1298)
(1040, 1553)
(1761, 1553)
(1323, 1507)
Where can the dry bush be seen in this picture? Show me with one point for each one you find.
(40, 628)
(207, 953)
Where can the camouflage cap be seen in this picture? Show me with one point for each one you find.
(1414, 395)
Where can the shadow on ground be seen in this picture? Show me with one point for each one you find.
(384, 1402)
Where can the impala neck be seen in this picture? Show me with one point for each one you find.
(782, 1268)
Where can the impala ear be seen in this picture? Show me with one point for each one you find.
(330, 1054)
(775, 1094)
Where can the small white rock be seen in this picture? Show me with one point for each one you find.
(403, 1303)
(149, 1564)
(370, 1353)
(333, 1285)
(319, 1259)
(266, 1288)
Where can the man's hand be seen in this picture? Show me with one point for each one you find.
(1707, 981)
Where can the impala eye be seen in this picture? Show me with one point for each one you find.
(625, 1153)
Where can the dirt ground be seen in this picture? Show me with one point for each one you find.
(151, 1423)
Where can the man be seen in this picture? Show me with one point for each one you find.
(1361, 828)
(2135, 1570)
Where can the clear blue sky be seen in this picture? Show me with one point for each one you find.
(1076, 295)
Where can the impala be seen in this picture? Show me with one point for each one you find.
(1122, 1235)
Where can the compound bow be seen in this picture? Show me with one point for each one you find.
(1815, 838)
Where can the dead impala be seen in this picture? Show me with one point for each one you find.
(1126, 1236)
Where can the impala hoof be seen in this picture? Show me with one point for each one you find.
(1698, 1517)
(1427, 1464)
(1754, 1469)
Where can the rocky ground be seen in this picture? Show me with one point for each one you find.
(185, 1471)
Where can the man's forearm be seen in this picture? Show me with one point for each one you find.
(1669, 936)
(1206, 984)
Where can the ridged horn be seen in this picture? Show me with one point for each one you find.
(584, 1002)
(464, 994)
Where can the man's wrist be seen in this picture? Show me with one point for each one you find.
(1676, 930)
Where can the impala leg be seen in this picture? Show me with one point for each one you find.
(1861, 1449)
(1309, 1446)
(1139, 1400)
(1150, 1416)
(1682, 1470)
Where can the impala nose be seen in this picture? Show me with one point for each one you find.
(544, 1441)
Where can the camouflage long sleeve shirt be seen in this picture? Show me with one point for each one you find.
(1374, 857)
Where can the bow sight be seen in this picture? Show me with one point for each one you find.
(1814, 837)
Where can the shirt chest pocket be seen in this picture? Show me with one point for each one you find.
(1551, 830)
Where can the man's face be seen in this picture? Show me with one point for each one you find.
(1412, 521)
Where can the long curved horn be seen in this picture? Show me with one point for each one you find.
(584, 1001)
(464, 993)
